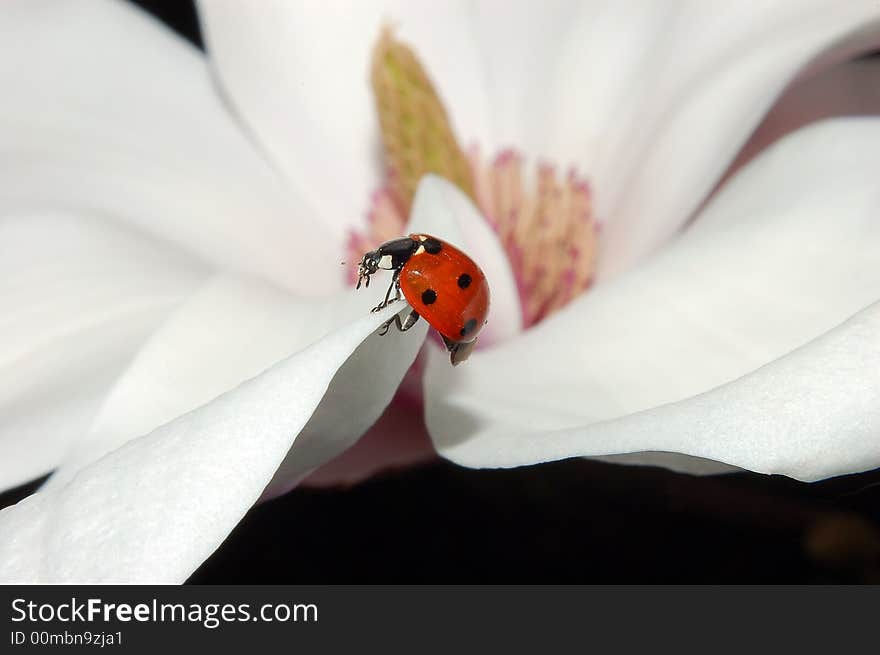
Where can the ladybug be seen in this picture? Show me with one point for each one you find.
(441, 284)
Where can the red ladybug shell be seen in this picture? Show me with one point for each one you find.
(446, 288)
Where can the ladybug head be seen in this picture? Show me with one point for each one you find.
(369, 265)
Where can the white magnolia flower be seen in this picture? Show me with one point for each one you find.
(178, 336)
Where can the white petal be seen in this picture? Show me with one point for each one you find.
(232, 330)
(298, 73)
(620, 89)
(398, 440)
(141, 136)
(78, 296)
(154, 509)
(441, 209)
(810, 415)
(653, 100)
(784, 253)
(849, 89)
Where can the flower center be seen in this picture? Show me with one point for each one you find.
(546, 227)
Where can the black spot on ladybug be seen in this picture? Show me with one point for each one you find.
(464, 281)
(432, 246)
(429, 296)
(469, 327)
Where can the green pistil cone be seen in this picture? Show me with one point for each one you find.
(416, 133)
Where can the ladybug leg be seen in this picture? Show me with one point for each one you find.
(411, 319)
(459, 351)
(395, 285)
(403, 326)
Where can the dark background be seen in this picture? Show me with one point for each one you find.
(570, 521)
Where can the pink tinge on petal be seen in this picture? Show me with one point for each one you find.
(355, 246)
(391, 191)
(386, 220)
(397, 440)
(482, 185)
(410, 389)
(848, 89)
